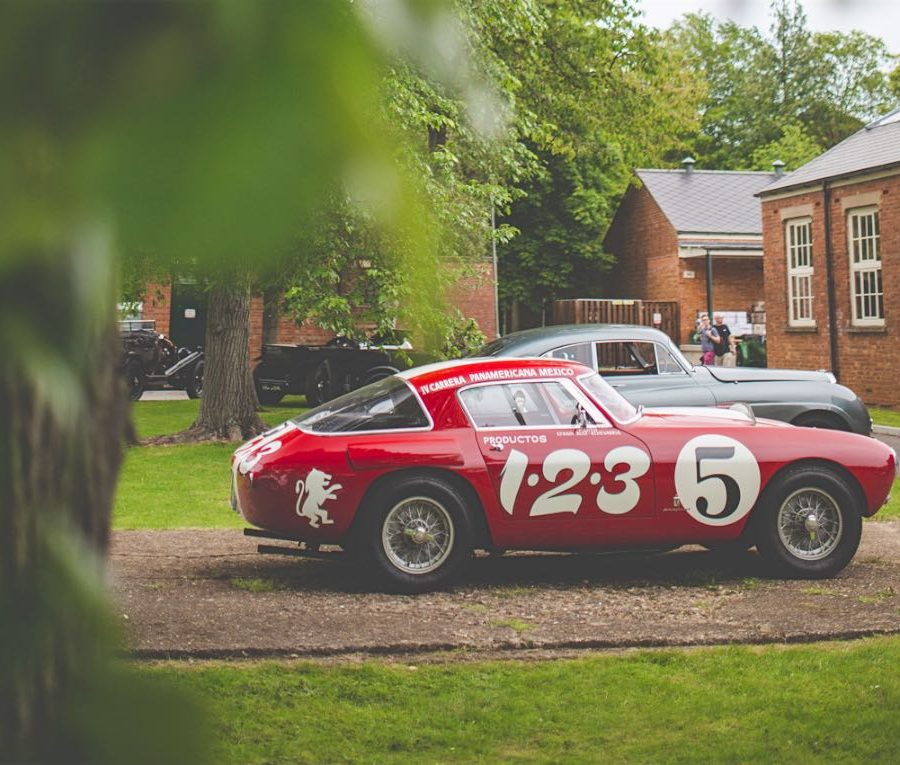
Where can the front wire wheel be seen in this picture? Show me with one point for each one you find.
(810, 522)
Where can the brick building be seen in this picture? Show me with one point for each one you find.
(831, 231)
(179, 310)
(675, 227)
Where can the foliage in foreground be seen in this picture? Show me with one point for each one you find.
(823, 703)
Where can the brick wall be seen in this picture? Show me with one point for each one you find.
(471, 290)
(737, 285)
(648, 267)
(644, 242)
(473, 293)
(158, 306)
(866, 361)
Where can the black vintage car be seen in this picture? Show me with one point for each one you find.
(323, 372)
(150, 360)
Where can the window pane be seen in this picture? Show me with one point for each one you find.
(580, 352)
(520, 405)
(388, 404)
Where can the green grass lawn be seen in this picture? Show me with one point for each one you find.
(831, 702)
(885, 416)
(158, 418)
(185, 486)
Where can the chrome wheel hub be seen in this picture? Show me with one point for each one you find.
(417, 535)
(810, 524)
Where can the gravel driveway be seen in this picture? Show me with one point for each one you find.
(209, 594)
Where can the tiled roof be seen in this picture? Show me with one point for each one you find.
(876, 145)
(708, 201)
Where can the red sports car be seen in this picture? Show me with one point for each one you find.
(413, 472)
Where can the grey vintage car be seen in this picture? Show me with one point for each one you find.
(648, 368)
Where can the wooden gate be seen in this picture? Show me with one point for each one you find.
(661, 314)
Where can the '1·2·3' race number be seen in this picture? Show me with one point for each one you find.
(578, 464)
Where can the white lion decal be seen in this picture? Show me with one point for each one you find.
(317, 490)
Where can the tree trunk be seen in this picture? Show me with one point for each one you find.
(63, 409)
(228, 406)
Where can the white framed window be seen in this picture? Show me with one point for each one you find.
(864, 247)
(798, 241)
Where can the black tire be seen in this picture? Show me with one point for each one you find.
(416, 534)
(134, 379)
(320, 386)
(194, 383)
(269, 397)
(823, 420)
(378, 374)
(810, 523)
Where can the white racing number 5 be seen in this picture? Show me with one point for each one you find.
(717, 479)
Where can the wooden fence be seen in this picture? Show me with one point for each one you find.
(651, 313)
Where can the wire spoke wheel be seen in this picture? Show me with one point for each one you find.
(810, 524)
(418, 535)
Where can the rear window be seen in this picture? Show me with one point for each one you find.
(388, 404)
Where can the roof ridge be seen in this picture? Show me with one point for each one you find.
(695, 172)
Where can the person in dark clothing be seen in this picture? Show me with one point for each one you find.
(723, 350)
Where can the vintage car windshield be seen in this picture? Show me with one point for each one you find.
(388, 404)
(609, 398)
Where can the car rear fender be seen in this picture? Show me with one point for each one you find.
(478, 526)
(793, 411)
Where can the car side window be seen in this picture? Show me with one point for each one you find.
(635, 357)
(666, 363)
(521, 405)
(580, 352)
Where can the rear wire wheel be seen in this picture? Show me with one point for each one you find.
(417, 534)
(811, 523)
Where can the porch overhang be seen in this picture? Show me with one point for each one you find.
(718, 248)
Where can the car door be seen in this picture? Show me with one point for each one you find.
(562, 473)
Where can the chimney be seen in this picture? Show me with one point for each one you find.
(688, 164)
(778, 167)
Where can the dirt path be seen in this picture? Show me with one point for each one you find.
(190, 593)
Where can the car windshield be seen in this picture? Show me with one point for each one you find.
(388, 404)
(609, 398)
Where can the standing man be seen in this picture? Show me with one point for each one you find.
(723, 349)
(709, 338)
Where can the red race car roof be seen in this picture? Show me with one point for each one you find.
(447, 375)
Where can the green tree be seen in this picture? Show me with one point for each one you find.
(794, 148)
(757, 86)
(464, 167)
(597, 94)
(894, 81)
